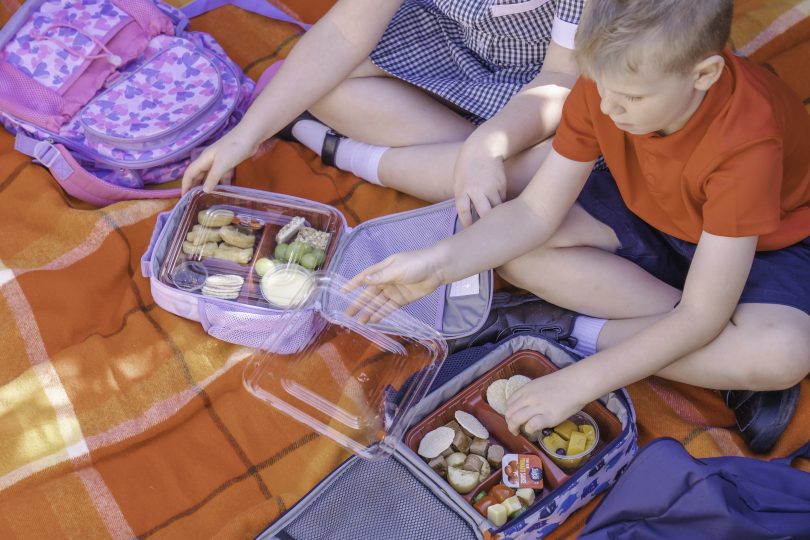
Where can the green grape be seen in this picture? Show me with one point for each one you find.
(319, 256)
(309, 260)
(263, 265)
(282, 252)
(296, 251)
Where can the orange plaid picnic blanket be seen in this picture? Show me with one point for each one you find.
(120, 420)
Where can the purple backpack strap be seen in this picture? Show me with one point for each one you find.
(260, 7)
(76, 181)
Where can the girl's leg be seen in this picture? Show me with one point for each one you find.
(410, 140)
(372, 107)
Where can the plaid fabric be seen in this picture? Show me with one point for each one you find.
(462, 51)
(119, 420)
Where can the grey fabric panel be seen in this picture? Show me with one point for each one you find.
(464, 315)
(373, 500)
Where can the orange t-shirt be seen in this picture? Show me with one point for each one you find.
(739, 167)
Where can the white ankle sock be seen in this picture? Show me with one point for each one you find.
(586, 331)
(361, 159)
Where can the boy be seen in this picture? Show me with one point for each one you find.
(694, 261)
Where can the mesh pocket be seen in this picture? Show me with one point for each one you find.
(256, 329)
(377, 500)
(374, 242)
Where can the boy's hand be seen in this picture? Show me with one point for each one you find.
(479, 181)
(218, 161)
(395, 282)
(544, 402)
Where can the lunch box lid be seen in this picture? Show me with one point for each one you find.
(349, 381)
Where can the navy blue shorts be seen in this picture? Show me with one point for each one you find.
(777, 277)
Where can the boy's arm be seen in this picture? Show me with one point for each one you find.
(531, 116)
(713, 287)
(508, 231)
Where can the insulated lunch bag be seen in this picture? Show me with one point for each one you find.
(112, 95)
(206, 259)
(388, 490)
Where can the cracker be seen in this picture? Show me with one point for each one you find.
(435, 442)
(289, 230)
(514, 383)
(496, 395)
(471, 426)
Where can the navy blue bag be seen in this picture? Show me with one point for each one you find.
(666, 493)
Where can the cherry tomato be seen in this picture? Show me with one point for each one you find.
(501, 492)
(484, 503)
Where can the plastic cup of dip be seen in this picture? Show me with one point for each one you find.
(286, 286)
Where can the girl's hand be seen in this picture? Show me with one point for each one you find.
(479, 181)
(395, 282)
(545, 402)
(218, 161)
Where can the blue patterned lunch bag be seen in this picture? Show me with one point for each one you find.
(402, 498)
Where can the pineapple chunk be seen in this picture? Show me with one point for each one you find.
(577, 443)
(565, 429)
(554, 442)
(589, 432)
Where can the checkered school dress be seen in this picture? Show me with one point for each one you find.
(475, 54)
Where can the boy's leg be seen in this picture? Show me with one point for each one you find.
(764, 347)
(597, 281)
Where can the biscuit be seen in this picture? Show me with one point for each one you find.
(225, 286)
(233, 236)
(289, 230)
(199, 250)
(314, 238)
(233, 253)
(200, 234)
(214, 217)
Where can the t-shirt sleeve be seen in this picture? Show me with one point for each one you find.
(566, 19)
(576, 137)
(743, 193)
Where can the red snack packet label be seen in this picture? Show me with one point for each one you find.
(522, 471)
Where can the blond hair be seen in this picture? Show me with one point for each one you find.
(619, 36)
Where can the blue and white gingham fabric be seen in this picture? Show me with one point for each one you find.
(476, 54)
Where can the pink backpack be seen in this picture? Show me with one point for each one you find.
(114, 95)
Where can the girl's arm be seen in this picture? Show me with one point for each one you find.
(534, 113)
(324, 57)
(530, 117)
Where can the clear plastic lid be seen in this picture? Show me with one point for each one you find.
(227, 243)
(349, 381)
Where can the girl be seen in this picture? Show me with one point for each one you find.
(436, 98)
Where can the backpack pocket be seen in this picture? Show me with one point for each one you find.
(159, 110)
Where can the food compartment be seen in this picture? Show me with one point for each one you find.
(518, 369)
(514, 501)
(225, 243)
(571, 442)
(456, 415)
(531, 365)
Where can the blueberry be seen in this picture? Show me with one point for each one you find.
(560, 451)
(547, 431)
